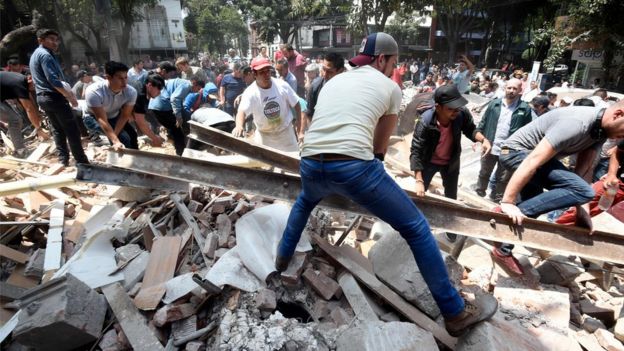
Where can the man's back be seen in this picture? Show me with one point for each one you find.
(567, 129)
(347, 111)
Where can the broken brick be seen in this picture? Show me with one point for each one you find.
(292, 274)
(170, 313)
(322, 284)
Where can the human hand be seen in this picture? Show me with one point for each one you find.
(513, 212)
(72, 100)
(420, 188)
(157, 142)
(238, 132)
(487, 147)
(42, 134)
(610, 180)
(118, 146)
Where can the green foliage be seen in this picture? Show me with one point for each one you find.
(380, 11)
(214, 25)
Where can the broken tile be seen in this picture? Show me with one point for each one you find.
(170, 313)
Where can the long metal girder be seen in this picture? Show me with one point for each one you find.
(452, 218)
(93, 173)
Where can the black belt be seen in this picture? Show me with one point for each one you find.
(331, 157)
(49, 93)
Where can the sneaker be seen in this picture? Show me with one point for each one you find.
(281, 263)
(508, 263)
(476, 309)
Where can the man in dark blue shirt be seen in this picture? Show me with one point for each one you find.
(232, 86)
(54, 98)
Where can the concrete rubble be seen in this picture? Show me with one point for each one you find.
(214, 287)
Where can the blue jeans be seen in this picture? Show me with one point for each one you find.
(128, 136)
(565, 188)
(368, 184)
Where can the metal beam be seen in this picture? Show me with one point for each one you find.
(226, 141)
(102, 174)
(452, 218)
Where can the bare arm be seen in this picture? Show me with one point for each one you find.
(125, 115)
(614, 164)
(31, 112)
(222, 95)
(144, 127)
(238, 131)
(100, 117)
(384, 129)
(540, 155)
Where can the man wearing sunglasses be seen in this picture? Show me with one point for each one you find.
(356, 113)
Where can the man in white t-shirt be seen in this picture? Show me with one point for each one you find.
(271, 102)
(355, 115)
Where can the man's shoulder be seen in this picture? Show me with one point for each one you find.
(99, 87)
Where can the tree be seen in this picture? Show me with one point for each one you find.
(83, 23)
(216, 25)
(456, 18)
(379, 11)
(127, 11)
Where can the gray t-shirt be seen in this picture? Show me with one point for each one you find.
(567, 129)
(99, 95)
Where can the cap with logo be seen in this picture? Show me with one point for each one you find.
(259, 63)
(449, 96)
(374, 45)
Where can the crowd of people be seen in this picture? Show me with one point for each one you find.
(339, 118)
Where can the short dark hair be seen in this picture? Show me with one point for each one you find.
(167, 67)
(602, 93)
(136, 62)
(540, 101)
(46, 32)
(13, 61)
(583, 102)
(551, 95)
(80, 74)
(288, 47)
(198, 80)
(155, 80)
(336, 60)
(246, 69)
(282, 62)
(112, 67)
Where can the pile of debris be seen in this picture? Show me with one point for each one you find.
(102, 267)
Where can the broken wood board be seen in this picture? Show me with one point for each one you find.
(18, 278)
(39, 152)
(54, 245)
(13, 255)
(77, 229)
(160, 268)
(395, 300)
(356, 298)
(192, 223)
(131, 320)
(26, 185)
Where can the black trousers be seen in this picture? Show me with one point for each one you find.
(65, 129)
(168, 120)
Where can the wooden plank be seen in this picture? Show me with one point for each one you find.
(54, 245)
(37, 199)
(192, 223)
(13, 255)
(18, 278)
(160, 268)
(354, 294)
(54, 169)
(131, 320)
(38, 153)
(77, 229)
(395, 300)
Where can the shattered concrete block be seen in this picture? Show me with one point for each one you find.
(34, 267)
(217, 209)
(320, 310)
(125, 253)
(380, 336)
(394, 264)
(195, 206)
(340, 316)
(196, 192)
(322, 284)
(242, 207)
(109, 341)
(606, 315)
(211, 244)
(224, 229)
(131, 194)
(195, 346)
(170, 313)
(292, 274)
(379, 229)
(266, 300)
(184, 327)
(592, 324)
(62, 314)
(135, 270)
(559, 270)
(608, 341)
(618, 330)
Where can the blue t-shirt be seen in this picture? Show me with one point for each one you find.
(233, 87)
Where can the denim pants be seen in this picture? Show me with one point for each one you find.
(488, 162)
(167, 119)
(368, 184)
(565, 188)
(15, 122)
(449, 179)
(65, 129)
(128, 136)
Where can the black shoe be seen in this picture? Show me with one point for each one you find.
(281, 263)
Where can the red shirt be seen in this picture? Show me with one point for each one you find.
(442, 154)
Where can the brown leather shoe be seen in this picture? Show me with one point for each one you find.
(508, 263)
(476, 309)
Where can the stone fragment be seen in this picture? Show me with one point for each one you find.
(266, 300)
(224, 229)
(380, 336)
(340, 316)
(195, 346)
(292, 274)
(63, 314)
(131, 194)
(592, 324)
(195, 206)
(608, 341)
(361, 235)
(170, 313)
(394, 264)
(34, 267)
(322, 284)
(601, 312)
(559, 270)
(184, 327)
(320, 310)
(135, 290)
(135, 270)
(379, 229)
(618, 330)
(211, 244)
(109, 341)
(587, 341)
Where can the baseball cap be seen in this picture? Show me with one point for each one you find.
(449, 96)
(211, 91)
(259, 63)
(374, 45)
